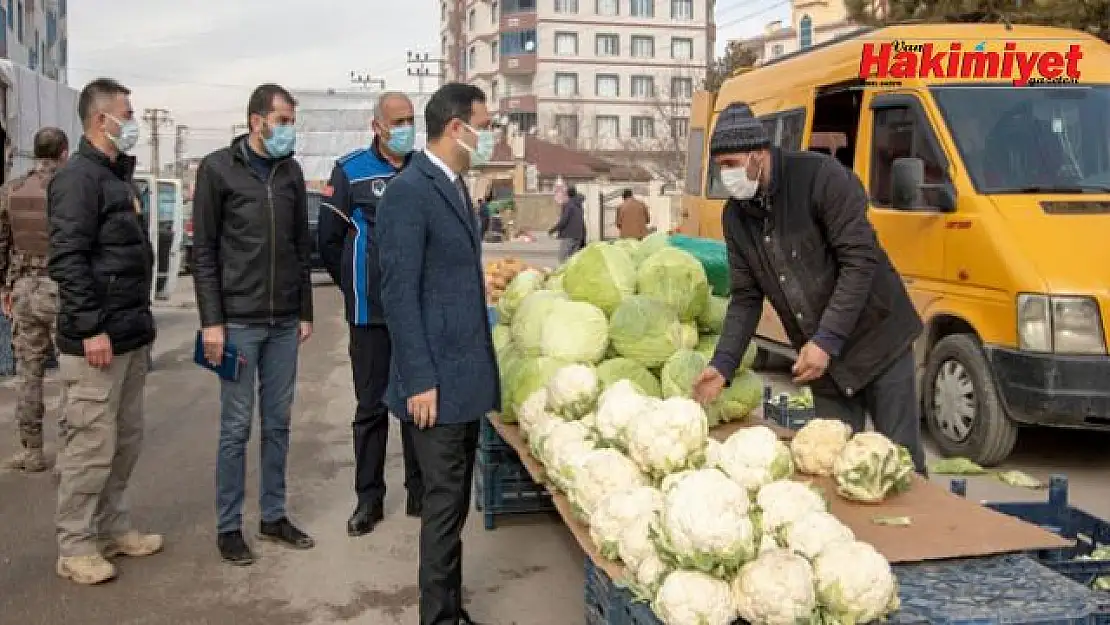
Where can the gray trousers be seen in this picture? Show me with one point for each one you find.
(567, 248)
(891, 401)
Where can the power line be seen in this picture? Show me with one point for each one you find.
(421, 71)
(749, 16)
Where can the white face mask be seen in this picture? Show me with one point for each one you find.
(739, 185)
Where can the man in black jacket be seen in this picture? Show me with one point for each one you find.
(797, 234)
(103, 263)
(252, 275)
(571, 227)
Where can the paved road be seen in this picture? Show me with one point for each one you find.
(527, 572)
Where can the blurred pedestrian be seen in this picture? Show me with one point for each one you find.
(27, 294)
(103, 263)
(633, 217)
(571, 227)
(253, 281)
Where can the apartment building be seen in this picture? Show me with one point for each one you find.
(33, 34)
(811, 22)
(595, 74)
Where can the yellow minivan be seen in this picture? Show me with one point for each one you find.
(986, 153)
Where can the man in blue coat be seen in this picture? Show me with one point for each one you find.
(443, 377)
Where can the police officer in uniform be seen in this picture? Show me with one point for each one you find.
(27, 294)
(349, 251)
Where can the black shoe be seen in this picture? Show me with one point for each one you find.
(285, 533)
(364, 519)
(233, 549)
(414, 504)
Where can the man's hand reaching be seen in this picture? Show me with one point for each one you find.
(422, 407)
(708, 385)
(213, 338)
(811, 364)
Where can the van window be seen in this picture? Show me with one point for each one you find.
(167, 201)
(791, 131)
(695, 149)
(900, 133)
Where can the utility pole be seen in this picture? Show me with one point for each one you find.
(156, 118)
(179, 149)
(421, 71)
(366, 80)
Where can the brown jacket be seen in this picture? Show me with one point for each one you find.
(23, 226)
(633, 218)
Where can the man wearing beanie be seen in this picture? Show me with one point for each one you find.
(797, 234)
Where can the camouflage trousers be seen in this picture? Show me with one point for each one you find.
(34, 320)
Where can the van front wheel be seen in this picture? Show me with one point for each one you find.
(961, 405)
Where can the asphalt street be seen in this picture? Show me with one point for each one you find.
(527, 572)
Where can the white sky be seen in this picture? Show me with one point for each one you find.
(200, 59)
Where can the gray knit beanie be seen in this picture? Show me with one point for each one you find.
(738, 131)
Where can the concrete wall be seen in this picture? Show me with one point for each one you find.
(536, 212)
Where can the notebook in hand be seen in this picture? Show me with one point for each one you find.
(228, 369)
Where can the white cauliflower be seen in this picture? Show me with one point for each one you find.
(563, 449)
(532, 412)
(775, 589)
(704, 524)
(786, 501)
(646, 576)
(613, 515)
(870, 467)
(693, 598)
(618, 406)
(539, 435)
(816, 446)
(755, 456)
(712, 452)
(855, 584)
(572, 391)
(599, 474)
(809, 535)
(669, 438)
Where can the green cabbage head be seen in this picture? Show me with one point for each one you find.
(631, 246)
(601, 275)
(646, 330)
(651, 244)
(707, 343)
(680, 371)
(575, 332)
(526, 376)
(739, 399)
(676, 278)
(528, 322)
(711, 319)
(612, 371)
(524, 283)
(502, 338)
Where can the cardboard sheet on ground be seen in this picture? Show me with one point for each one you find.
(943, 525)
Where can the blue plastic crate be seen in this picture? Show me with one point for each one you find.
(503, 486)
(489, 439)
(783, 415)
(600, 595)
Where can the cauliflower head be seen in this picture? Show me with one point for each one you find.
(618, 406)
(669, 438)
(755, 456)
(646, 576)
(870, 467)
(712, 452)
(539, 434)
(816, 446)
(532, 412)
(855, 583)
(693, 598)
(563, 449)
(573, 391)
(809, 535)
(786, 501)
(775, 589)
(704, 525)
(599, 474)
(614, 514)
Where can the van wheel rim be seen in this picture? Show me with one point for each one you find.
(954, 401)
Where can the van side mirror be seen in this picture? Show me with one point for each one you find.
(907, 184)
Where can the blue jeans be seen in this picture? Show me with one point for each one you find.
(271, 357)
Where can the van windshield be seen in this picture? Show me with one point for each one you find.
(1031, 139)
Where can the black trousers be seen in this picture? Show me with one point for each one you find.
(370, 354)
(446, 454)
(890, 399)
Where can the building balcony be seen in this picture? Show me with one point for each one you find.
(517, 21)
(518, 64)
(517, 104)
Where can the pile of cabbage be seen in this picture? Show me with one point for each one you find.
(631, 310)
(707, 531)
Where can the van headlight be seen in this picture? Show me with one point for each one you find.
(1059, 324)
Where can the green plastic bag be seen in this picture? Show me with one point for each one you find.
(713, 256)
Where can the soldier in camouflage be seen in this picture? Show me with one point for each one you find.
(27, 295)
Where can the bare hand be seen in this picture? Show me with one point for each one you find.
(98, 351)
(6, 304)
(811, 364)
(213, 338)
(422, 407)
(708, 385)
(304, 331)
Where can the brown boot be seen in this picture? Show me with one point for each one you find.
(132, 544)
(86, 570)
(28, 461)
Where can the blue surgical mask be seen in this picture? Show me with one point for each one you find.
(281, 140)
(128, 135)
(401, 139)
(483, 149)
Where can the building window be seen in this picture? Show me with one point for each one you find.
(642, 8)
(776, 50)
(493, 53)
(19, 21)
(643, 87)
(608, 86)
(472, 59)
(442, 11)
(643, 47)
(643, 128)
(519, 42)
(566, 6)
(682, 88)
(566, 44)
(493, 12)
(608, 7)
(680, 127)
(608, 45)
(518, 6)
(493, 94)
(682, 48)
(566, 84)
(470, 19)
(567, 126)
(682, 9)
(11, 14)
(805, 32)
(607, 126)
(62, 8)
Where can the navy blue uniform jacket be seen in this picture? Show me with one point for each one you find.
(433, 296)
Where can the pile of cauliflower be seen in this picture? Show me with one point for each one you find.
(708, 532)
